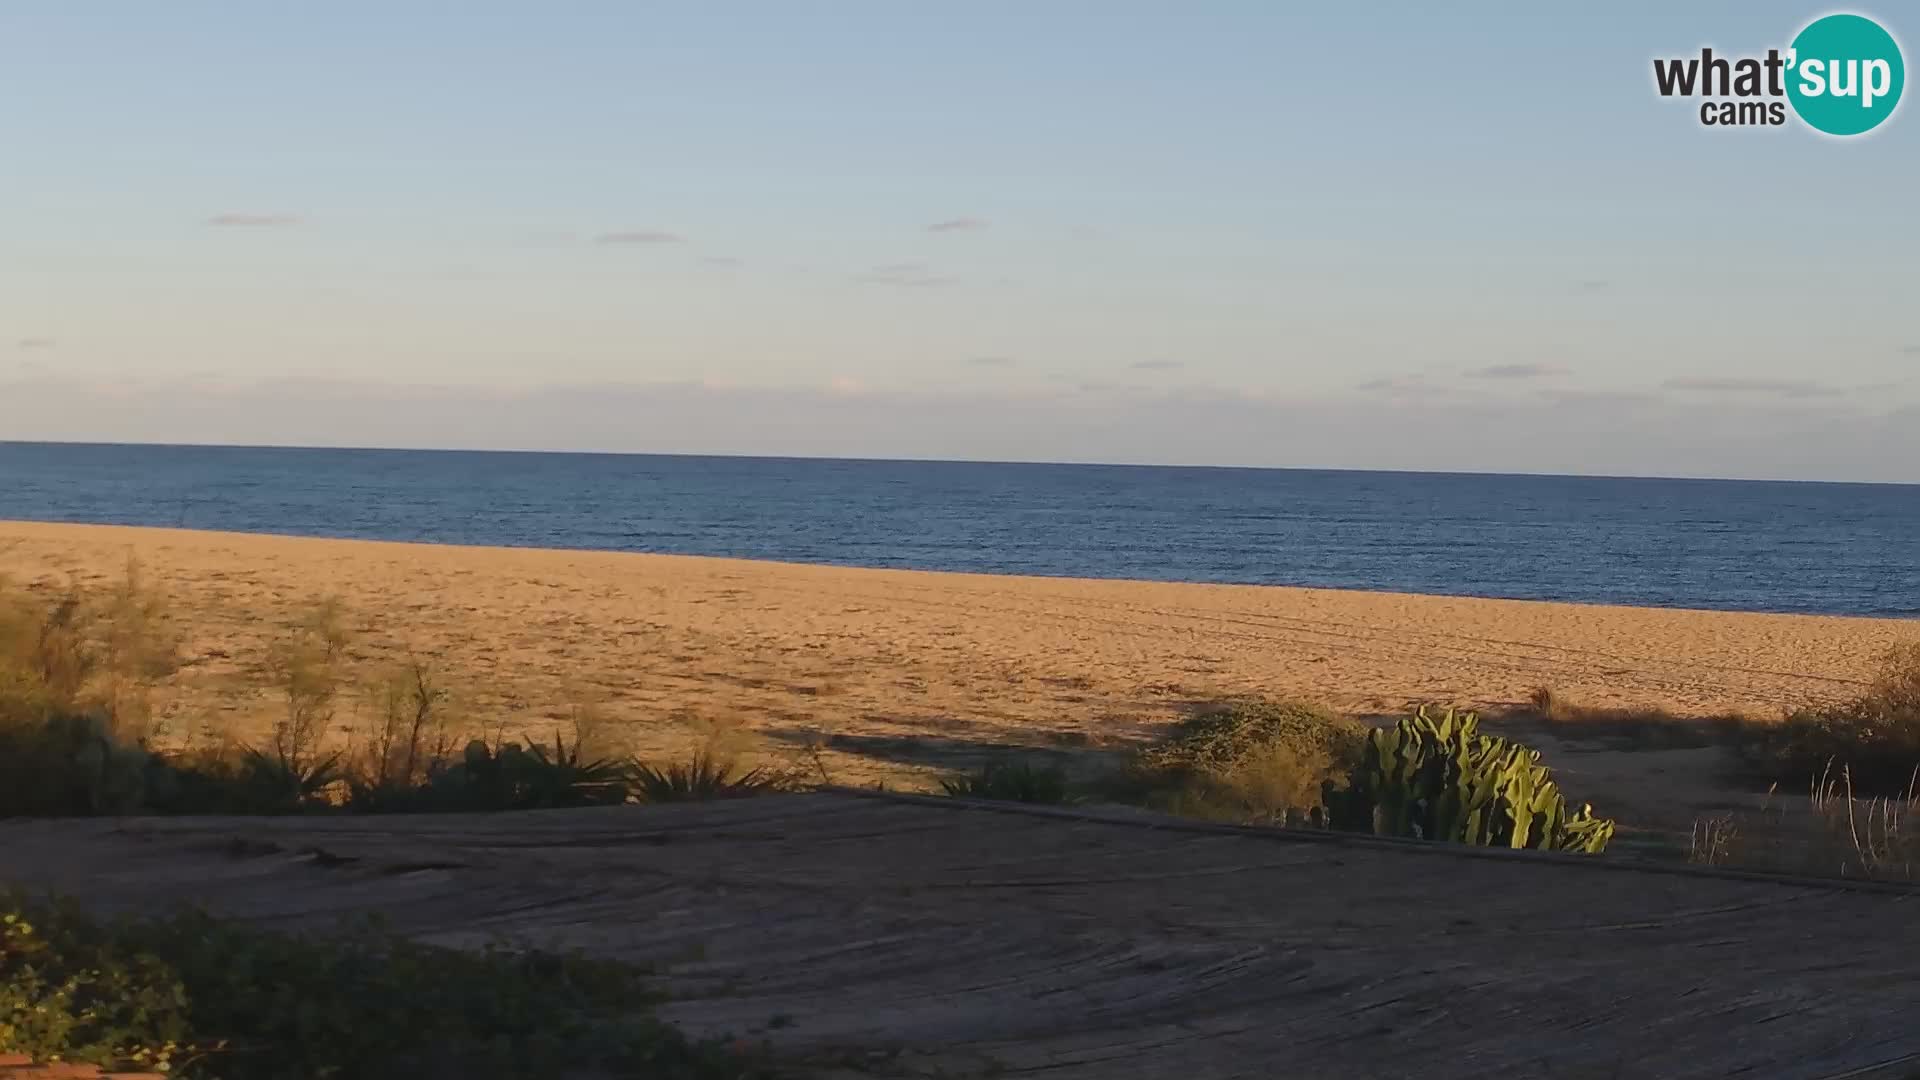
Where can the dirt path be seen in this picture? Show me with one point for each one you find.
(931, 938)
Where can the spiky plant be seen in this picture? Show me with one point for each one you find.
(704, 775)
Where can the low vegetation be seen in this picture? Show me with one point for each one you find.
(83, 677)
(193, 996)
(77, 733)
(1873, 739)
(1254, 762)
(1439, 778)
(1286, 763)
(1020, 781)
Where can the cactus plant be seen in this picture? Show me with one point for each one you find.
(1438, 778)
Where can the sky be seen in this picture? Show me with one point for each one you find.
(1367, 235)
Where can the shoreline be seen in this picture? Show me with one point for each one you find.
(7, 524)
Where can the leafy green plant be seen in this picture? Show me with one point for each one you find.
(705, 775)
(200, 997)
(1439, 778)
(1020, 781)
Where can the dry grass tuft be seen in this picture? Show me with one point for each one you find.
(1834, 833)
(1254, 762)
(1872, 740)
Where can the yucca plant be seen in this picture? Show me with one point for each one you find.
(705, 775)
(1439, 778)
(1010, 782)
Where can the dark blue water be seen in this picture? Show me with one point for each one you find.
(1839, 548)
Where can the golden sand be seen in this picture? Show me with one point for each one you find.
(659, 644)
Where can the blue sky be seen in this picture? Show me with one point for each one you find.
(1369, 235)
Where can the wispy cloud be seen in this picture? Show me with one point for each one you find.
(991, 361)
(1399, 384)
(911, 275)
(34, 344)
(1593, 285)
(639, 236)
(725, 262)
(959, 224)
(1911, 350)
(1599, 397)
(241, 220)
(1517, 371)
(1157, 365)
(1793, 388)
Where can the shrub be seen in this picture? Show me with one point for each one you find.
(1010, 782)
(1438, 778)
(1257, 761)
(75, 677)
(70, 764)
(410, 737)
(196, 996)
(508, 776)
(1873, 739)
(241, 779)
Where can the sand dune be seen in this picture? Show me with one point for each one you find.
(877, 657)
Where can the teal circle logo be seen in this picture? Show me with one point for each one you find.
(1845, 74)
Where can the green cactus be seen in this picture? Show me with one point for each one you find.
(1439, 778)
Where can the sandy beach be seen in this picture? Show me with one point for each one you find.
(903, 668)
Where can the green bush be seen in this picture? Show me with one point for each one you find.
(1010, 782)
(199, 997)
(1439, 778)
(1873, 739)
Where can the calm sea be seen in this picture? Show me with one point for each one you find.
(1841, 548)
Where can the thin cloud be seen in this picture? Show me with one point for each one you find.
(1911, 350)
(725, 262)
(959, 224)
(34, 344)
(237, 220)
(1397, 384)
(1599, 397)
(1157, 365)
(1517, 371)
(1593, 285)
(1792, 388)
(639, 236)
(908, 275)
(991, 361)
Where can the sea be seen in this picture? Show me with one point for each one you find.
(1846, 549)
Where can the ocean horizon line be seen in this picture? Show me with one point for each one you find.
(1017, 462)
